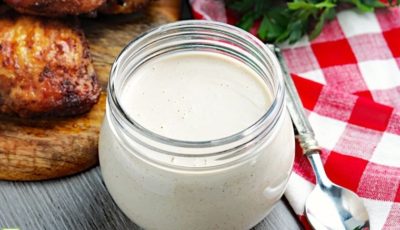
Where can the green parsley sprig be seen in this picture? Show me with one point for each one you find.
(281, 21)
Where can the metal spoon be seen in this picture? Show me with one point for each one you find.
(329, 206)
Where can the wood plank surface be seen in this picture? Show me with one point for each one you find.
(82, 202)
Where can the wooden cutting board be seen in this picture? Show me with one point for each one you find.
(44, 149)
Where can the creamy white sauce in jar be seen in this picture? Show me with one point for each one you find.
(195, 96)
(196, 138)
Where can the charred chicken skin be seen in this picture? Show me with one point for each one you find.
(55, 7)
(45, 68)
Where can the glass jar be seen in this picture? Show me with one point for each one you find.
(228, 183)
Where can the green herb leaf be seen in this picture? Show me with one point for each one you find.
(264, 28)
(296, 31)
(247, 21)
(292, 21)
(269, 29)
(328, 12)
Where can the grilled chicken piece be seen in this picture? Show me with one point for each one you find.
(45, 68)
(55, 7)
(122, 6)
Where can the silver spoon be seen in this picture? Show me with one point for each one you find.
(329, 206)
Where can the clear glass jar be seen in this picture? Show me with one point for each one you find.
(229, 183)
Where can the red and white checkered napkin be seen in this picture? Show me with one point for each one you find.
(349, 81)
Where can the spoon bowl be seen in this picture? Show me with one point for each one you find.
(330, 206)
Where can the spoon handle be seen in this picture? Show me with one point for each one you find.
(306, 134)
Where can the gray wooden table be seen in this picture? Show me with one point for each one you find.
(82, 202)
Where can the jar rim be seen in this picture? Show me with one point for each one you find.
(127, 121)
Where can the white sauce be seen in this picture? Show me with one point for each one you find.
(197, 96)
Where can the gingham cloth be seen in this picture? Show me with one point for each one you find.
(349, 82)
